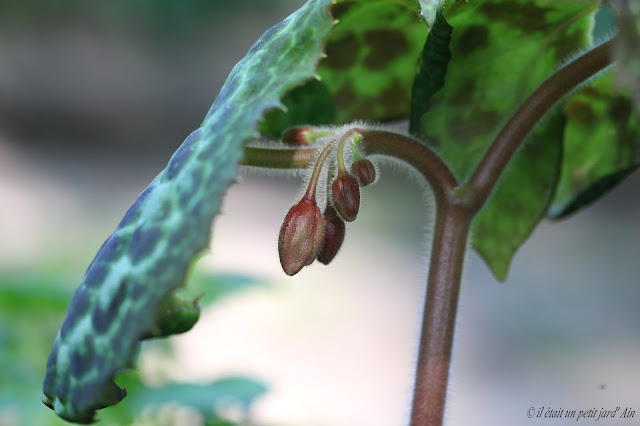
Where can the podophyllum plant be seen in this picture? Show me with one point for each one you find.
(491, 129)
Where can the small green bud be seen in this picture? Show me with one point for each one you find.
(300, 237)
(334, 230)
(346, 196)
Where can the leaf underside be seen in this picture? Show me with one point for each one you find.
(147, 257)
(501, 51)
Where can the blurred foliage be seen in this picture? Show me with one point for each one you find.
(32, 306)
(601, 145)
(160, 16)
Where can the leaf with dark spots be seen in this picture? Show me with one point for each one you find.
(150, 252)
(502, 50)
(601, 146)
(143, 242)
(374, 46)
(385, 46)
(178, 159)
(342, 53)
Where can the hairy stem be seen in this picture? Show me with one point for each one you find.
(439, 315)
(315, 176)
(496, 158)
(414, 153)
(456, 207)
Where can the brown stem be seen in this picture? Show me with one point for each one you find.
(525, 118)
(439, 315)
(412, 152)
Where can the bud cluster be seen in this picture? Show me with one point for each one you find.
(306, 234)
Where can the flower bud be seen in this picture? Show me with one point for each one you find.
(364, 171)
(346, 196)
(334, 230)
(300, 237)
(298, 136)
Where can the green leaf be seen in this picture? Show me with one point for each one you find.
(627, 49)
(236, 391)
(601, 145)
(521, 197)
(502, 51)
(147, 257)
(432, 69)
(310, 104)
(371, 58)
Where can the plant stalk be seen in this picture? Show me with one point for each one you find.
(439, 316)
(497, 157)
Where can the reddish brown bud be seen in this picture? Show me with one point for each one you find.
(346, 196)
(298, 136)
(364, 171)
(334, 230)
(300, 236)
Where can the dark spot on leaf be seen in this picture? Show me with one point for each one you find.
(143, 242)
(342, 53)
(386, 45)
(463, 95)
(101, 319)
(345, 96)
(580, 112)
(133, 212)
(526, 17)
(47, 385)
(395, 99)
(225, 117)
(138, 288)
(365, 109)
(95, 274)
(196, 177)
(111, 249)
(182, 154)
(78, 307)
(62, 388)
(227, 91)
(465, 130)
(80, 363)
(473, 38)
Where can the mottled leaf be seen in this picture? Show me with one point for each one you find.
(627, 49)
(522, 195)
(601, 145)
(502, 50)
(147, 257)
(371, 58)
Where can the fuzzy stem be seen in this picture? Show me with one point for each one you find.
(342, 169)
(414, 153)
(491, 166)
(439, 315)
(315, 176)
(456, 207)
(278, 158)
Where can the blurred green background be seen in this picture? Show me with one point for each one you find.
(94, 98)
